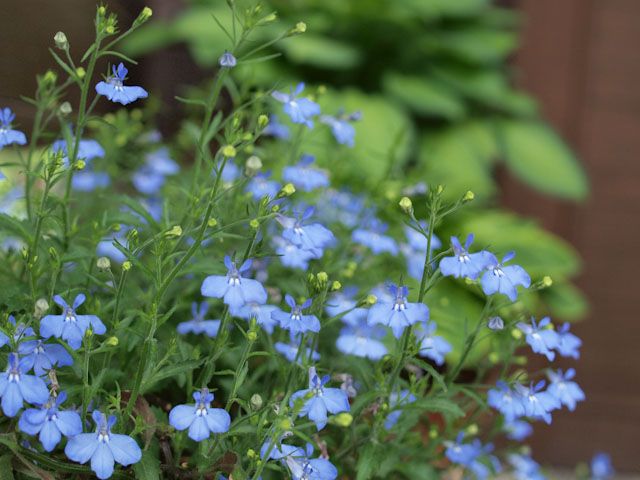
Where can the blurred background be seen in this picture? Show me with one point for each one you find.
(477, 89)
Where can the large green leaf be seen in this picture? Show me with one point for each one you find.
(424, 96)
(475, 45)
(320, 51)
(541, 159)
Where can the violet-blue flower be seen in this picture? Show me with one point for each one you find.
(260, 186)
(362, 340)
(465, 264)
(432, 346)
(227, 60)
(396, 401)
(308, 236)
(601, 467)
(295, 321)
(293, 256)
(505, 279)
(70, 326)
(538, 403)
(398, 313)
(103, 447)
(149, 178)
(471, 456)
(88, 149)
(115, 89)
(49, 422)
(541, 339)
(233, 288)
(373, 236)
(262, 314)
(276, 129)
(320, 400)
(517, 430)
(200, 418)
(341, 126)
(304, 468)
(290, 351)
(506, 401)
(88, 181)
(8, 135)
(568, 343)
(563, 388)
(305, 176)
(198, 324)
(43, 356)
(299, 109)
(17, 387)
(525, 468)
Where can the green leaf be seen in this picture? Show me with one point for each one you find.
(445, 406)
(6, 469)
(424, 96)
(15, 227)
(537, 155)
(148, 468)
(370, 457)
(474, 45)
(565, 301)
(322, 52)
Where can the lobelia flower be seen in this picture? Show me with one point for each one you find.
(342, 206)
(290, 350)
(102, 447)
(299, 110)
(276, 129)
(304, 468)
(293, 256)
(305, 176)
(432, 346)
(149, 178)
(465, 264)
(538, 404)
(200, 418)
(396, 400)
(9, 136)
(87, 150)
(506, 401)
(469, 455)
(50, 423)
(233, 288)
(417, 241)
(601, 467)
(19, 331)
(541, 339)
(568, 343)
(260, 186)
(312, 237)
(341, 126)
(262, 314)
(227, 60)
(198, 324)
(320, 400)
(88, 181)
(373, 237)
(396, 312)
(342, 303)
(505, 279)
(518, 430)
(295, 321)
(564, 389)
(16, 387)
(70, 326)
(362, 340)
(115, 90)
(495, 324)
(43, 356)
(230, 171)
(525, 468)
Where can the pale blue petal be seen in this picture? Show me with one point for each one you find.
(218, 420)
(214, 286)
(182, 416)
(69, 423)
(81, 447)
(102, 461)
(124, 449)
(199, 429)
(49, 436)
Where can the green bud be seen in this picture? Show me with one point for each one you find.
(175, 231)
(287, 190)
(126, 266)
(263, 121)
(468, 197)
(406, 205)
(343, 419)
(65, 109)
(112, 341)
(103, 263)
(212, 222)
(335, 286)
(322, 278)
(547, 281)
(256, 401)
(229, 151)
(252, 165)
(61, 41)
(255, 224)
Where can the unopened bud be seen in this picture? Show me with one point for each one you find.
(103, 263)
(335, 286)
(439, 189)
(256, 401)
(255, 224)
(472, 429)
(65, 109)
(322, 278)
(371, 299)
(229, 151)
(126, 266)
(252, 335)
(175, 231)
(112, 341)
(61, 41)
(300, 27)
(252, 165)
(469, 196)
(547, 281)
(251, 453)
(102, 11)
(516, 333)
(343, 419)
(80, 72)
(145, 15)
(406, 205)
(287, 190)
(41, 307)
(263, 121)
(80, 164)
(212, 222)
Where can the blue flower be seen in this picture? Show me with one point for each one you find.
(568, 343)
(69, 325)
(506, 401)
(304, 468)
(495, 324)
(293, 256)
(276, 129)
(19, 331)
(198, 324)
(470, 455)
(43, 356)
(517, 430)
(538, 404)
(260, 186)
(342, 303)
(374, 238)
(341, 127)
(417, 241)
(566, 391)
(319, 400)
(300, 110)
(312, 237)
(102, 447)
(295, 321)
(152, 175)
(106, 247)
(362, 340)
(342, 206)
(541, 339)
(115, 90)
(233, 287)
(305, 176)
(262, 314)
(432, 346)
(17, 387)
(230, 172)
(505, 279)
(525, 468)
(50, 423)
(396, 401)
(87, 150)
(88, 181)
(465, 264)
(9, 136)
(227, 60)
(200, 418)
(601, 467)
(290, 351)
(396, 312)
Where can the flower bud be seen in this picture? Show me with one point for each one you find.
(256, 401)
(285, 424)
(263, 121)
(252, 165)
(335, 286)
(126, 266)
(61, 41)
(547, 281)
(80, 72)
(322, 278)
(40, 308)
(103, 263)
(50, 77)
(175, 231)
(270, 18)
(229, 151)
(287, 190)
(145, 15)
(516, 333)
(212, 222)
(472, 429)
(406, 205)
(255, 224)
(252, 335)
(112, 341)
(251, 453)
(80, 164)
(439, 189)
(495, 323)
(65, 109)
(343, 419)
(300, 27)
(371, 299)
(102, 11)
(469, 196)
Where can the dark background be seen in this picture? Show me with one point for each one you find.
(581, 60)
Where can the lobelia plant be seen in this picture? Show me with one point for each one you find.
(181, 254)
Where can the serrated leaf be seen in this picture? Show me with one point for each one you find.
(538, 157)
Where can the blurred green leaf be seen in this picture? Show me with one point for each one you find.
(565, 301)
(540, 158)
(424, 96)
(321, 52)
(475, 45)
(447, 8)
